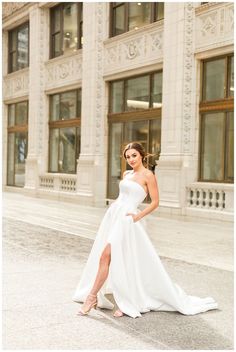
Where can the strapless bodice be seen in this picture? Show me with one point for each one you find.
(131, 192)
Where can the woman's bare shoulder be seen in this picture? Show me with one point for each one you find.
(148, 174)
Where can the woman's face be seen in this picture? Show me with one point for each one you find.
(133, 157)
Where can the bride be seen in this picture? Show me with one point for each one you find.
(123, 260)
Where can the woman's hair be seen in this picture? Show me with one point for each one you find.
(138, 146)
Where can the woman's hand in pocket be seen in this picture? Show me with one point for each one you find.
(135, 217)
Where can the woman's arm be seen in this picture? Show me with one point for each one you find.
(154, 195)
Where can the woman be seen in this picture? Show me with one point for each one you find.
(124, 262)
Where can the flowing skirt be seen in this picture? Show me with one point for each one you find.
(137, 278)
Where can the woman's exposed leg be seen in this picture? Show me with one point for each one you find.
(102, 274)
(103, 270)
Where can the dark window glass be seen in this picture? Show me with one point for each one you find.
(21, 113)
(64, 135)
(64, 149)
(117, 92)
(119, 19)
(159, 11)
(230, 146)
(231, 77)
(68, 105)
(137, 93)
(157, 90)
(11, 115)
(10, 159)
(53, 149)
(217, 134)
(135, 115)
(70, 27)
(18, 48)
(23, 44)
(212, 152)
(127, 16)
(214, 79)
(17, 143)
(115, 143)
(139, 14)
(66, 28)
(20, 156)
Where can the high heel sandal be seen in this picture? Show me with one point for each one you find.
(90, 306)
(118, 313)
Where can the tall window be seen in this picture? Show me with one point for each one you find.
(64, 131)
(66, 28)
(17, 143)
(217, 120)
(18, 48)
(134, 114)
(126, 16)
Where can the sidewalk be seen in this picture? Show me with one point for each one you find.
(45, 246)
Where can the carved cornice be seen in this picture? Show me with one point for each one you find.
(215, 25)
(64, 70)
(205, 7)
(16, 84)
(13, 8)
(127, 51)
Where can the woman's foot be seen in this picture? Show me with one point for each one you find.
(118, 313)
(90, 302)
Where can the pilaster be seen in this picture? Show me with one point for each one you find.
(36, 120)
(4, 109)
(179, 105)
(91, 170)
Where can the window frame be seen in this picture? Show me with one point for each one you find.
(124, 80)
(122, 117)
(58, 124)
(15, 129)
(52, 34)
(10, 52)
(113, 6)
(226, 83)
(225, 105)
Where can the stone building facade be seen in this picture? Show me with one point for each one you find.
(72, 97)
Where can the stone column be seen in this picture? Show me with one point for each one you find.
(91, 169)
(4, 108)
(178, 112)
(36, 119)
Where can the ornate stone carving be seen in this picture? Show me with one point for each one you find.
(99, 78)
(214, 26)
(188, 74)
(64, 70)
(133, 47)
(16, 85)
(8, 8)
(208, 25)
(42, 78)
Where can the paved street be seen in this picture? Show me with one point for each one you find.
(45, 246)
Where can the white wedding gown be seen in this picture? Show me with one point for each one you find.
(137, 278)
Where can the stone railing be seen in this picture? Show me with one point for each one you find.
(58, 182)
(126, 51)
(214, 25)
(210, 196)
